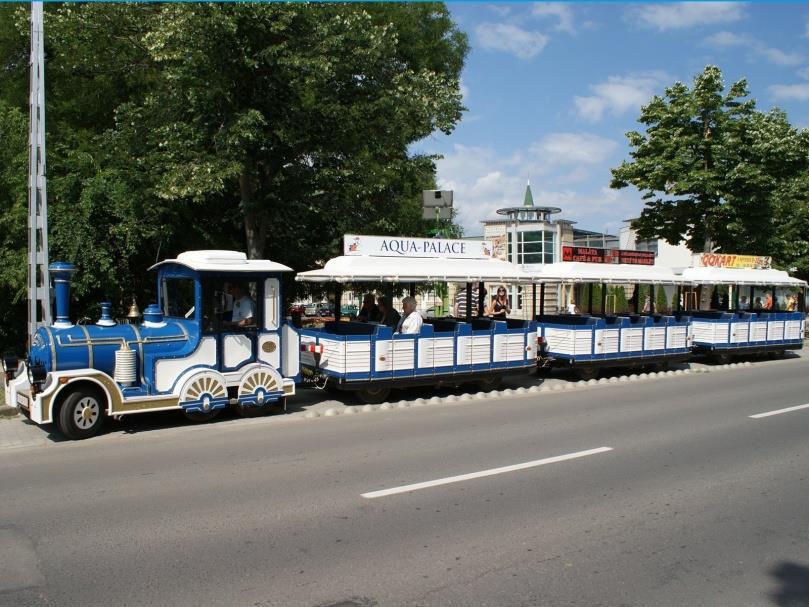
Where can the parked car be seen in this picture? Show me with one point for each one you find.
(297, 308)
(310, 310)
(325, 309)
(349, 310)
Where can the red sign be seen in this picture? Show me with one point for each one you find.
(585, 254)
(593, 255)
(638, 258)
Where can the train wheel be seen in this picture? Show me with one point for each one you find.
(373, 396)
(200, 417)
(82, 414)
(722, 358)
(588, 373)
(489, 383)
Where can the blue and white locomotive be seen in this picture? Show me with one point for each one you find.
(216, 337)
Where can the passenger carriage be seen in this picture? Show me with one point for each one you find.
(185, 355)
(607, 335)
(370, 358)
(729, 313)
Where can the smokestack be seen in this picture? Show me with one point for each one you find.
(61, 273)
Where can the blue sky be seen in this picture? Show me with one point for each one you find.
(552, 89)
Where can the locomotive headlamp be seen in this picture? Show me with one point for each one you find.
(37, 373)
(10, 364)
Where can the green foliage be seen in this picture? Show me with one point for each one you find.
(616, 300)
(271, 128)
(711, 168)
(661, 301)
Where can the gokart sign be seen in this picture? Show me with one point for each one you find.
(397, 246)
(729, 260)
(594, 255)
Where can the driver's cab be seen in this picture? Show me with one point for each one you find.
(223, 298)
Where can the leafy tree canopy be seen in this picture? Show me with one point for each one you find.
(711, 168)
(273, 128)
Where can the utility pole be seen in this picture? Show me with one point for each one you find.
(39, 290)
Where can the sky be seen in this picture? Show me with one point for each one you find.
(552, 88)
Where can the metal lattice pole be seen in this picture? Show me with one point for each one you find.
(39, 292)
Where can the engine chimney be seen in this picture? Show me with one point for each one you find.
(61, 273)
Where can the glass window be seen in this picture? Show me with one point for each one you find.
(271, 303)
(229, 305)
(178, 297)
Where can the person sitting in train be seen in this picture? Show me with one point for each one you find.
(388, 315)
(411, 321)
(244, 308)
(743, 303)
(757, 303)
(369, 311)
(499, 308)
(572, 308)
(792, 303)
(768, 302)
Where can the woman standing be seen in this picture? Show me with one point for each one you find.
(499, 307)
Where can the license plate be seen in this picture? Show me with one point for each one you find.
(22, 400)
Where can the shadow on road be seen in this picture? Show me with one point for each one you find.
(793, 580)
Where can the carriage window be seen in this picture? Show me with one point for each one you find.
(178, 297)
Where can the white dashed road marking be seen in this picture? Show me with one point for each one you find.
(779, 411)
(490, 472)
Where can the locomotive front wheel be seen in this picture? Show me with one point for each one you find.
(200, 417)
(373, 396)
(82, 414)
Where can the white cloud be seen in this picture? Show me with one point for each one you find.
(618, 95)
(562, 12)
(559, 165)
(522, 43)
(727, 40)
(790, 92)
(686, 14)
(573, 148)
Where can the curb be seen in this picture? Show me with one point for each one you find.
(8, 411)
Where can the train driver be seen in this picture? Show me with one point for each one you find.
(244, 308)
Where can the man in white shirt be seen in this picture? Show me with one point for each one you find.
(244, 308)
(411, 321)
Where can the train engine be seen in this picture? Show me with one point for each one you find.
(216, 337)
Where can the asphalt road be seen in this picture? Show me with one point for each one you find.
(695, 504)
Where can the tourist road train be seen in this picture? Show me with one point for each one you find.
(195, 352)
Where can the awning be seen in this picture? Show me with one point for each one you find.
(607, 273)
(738, 276)
(414, 269)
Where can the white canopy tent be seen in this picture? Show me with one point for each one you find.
(734, 276)
(607, 273)
(355, 268)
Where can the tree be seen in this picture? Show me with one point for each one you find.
(300, 114)
(710, 165)
(661, 301)
(175, 127)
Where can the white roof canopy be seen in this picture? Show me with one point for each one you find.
(609, 273)
(223, 261)
(414, 269)
(738, 276)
